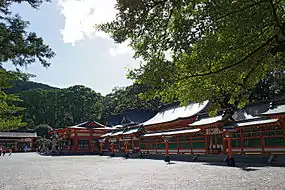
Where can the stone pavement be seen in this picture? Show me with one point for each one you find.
(31, 171)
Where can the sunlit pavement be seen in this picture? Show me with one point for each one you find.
(31, 171)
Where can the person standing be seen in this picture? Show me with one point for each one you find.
(10, 151)
(4, 151)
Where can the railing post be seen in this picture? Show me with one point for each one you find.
(166, 158)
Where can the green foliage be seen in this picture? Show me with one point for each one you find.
(76, 104)
(16, 44)
(43, 141)
(220, 50)
(43, 130)
(61, 107)
(24, 85)
(10, 114)
(19, 47)
(124, 99)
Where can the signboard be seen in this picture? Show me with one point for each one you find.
(213, 131)
(101, 140)
(112, 140)
(25, 140)
(126, 138)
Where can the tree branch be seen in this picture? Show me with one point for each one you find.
(240, 10)
(233, 65)
(275, 14)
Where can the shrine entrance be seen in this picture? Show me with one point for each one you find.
(214, 140)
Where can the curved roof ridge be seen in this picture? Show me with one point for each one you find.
(177, 112)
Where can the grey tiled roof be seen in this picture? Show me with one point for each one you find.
(177, 112)
(207, 121)
(275, 110)
(251, 123)
(18, 134)
(173, 132)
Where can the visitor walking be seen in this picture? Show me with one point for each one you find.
(4, 151)
(10, 151)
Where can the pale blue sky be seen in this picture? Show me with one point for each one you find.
(83, 57)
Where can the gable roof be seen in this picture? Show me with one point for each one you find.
(207, 121)
(278, 109)
(250, 122)
(130, 117)
(176, 112)
(89, 125)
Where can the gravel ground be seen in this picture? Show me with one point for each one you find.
(31, 171)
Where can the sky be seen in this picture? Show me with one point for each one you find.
(83, 56)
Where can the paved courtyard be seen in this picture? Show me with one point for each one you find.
(31, 171)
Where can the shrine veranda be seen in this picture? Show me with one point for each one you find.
(187, 130)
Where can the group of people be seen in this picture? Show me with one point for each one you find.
(4, 150)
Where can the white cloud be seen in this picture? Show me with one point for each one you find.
(121, 49)
(82, 15)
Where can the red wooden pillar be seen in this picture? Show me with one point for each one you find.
(112, 147)
(224, 142)
(262, 140)
(241, 140)
(283, 131)
(89, 142)
(230, 160)
(282, 123)
(166, 148)
(126, 147)
(89, 145)
(101, 147)
(206, 142)
(230, 147)
(92, 147)
(178, 145)
(75, 141)
(190, 142)
(156, 147)
(166, 158)
(133, 144)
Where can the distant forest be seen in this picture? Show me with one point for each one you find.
(46, 105)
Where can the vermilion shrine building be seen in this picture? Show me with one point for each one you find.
(257, 129)
(81, 138)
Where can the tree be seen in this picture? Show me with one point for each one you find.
(19, 48)
(127, 98)
(10, 114)
(62, 107)
(16, 44)
(43, 130)
(219, 50)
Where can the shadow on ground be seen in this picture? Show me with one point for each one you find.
(243, 162)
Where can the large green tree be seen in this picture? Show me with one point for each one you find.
(10, 114)
(127, 98)
(69, 106)
(62, 107)
(18, 47)
(193, 50)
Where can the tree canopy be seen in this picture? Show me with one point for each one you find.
(69, 106)
(196, 50)
(10, 113)
(61, 107)
(19, 47)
